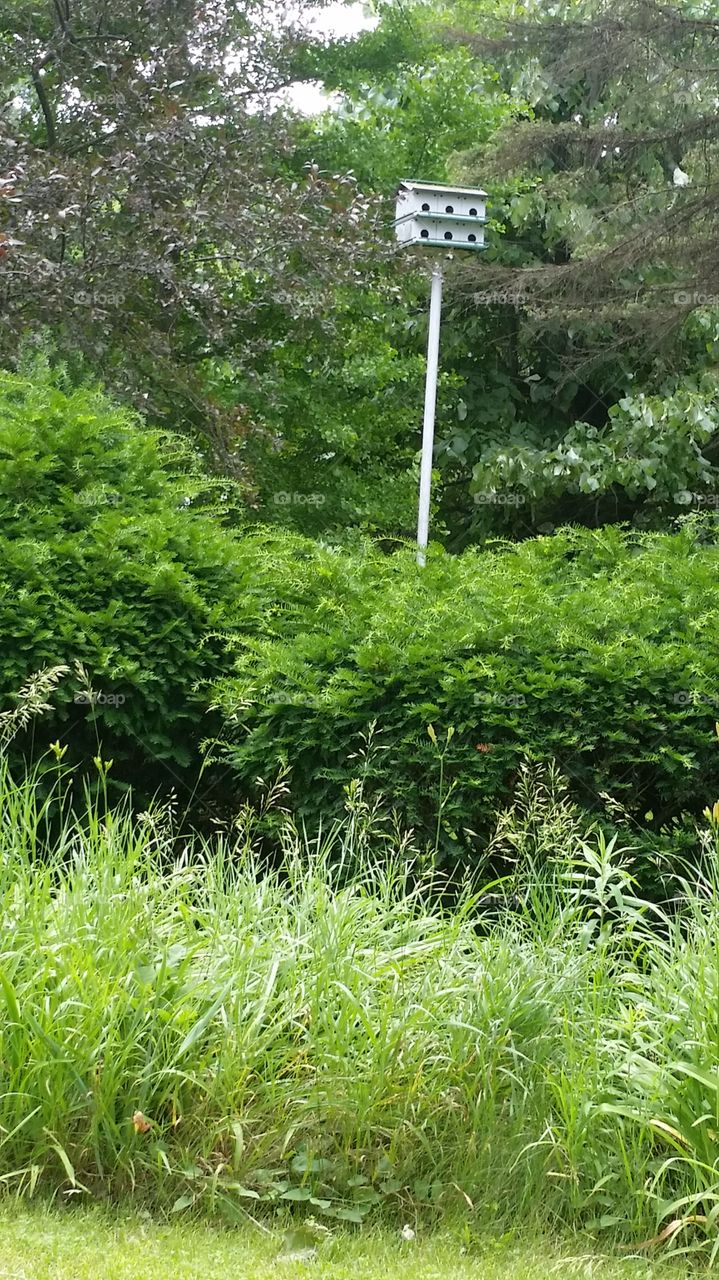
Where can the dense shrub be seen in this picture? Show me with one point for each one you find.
(118, 553)
(596, 649)
(111, 557)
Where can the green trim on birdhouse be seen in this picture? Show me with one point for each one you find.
(448, 244)
(451, 217)
(423, 216)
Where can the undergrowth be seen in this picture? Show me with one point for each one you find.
(187, 1027)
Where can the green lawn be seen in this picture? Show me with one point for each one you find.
(82, 1244)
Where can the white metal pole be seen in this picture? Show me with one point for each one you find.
(430, 401)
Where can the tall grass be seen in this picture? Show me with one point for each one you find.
(192, 1029)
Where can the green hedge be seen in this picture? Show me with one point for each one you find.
(599, 650)
(110, 556)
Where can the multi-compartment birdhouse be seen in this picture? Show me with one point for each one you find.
(440, 216)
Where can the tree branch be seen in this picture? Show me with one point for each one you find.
(63, 20)
(43, 99)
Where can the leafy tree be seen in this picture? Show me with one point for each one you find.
(342, 407)
(335, 417)
(412, 120)
(620, 151)
(652, 450)
(210, 254)
(144, 198)
(526, 384)
(603, 259)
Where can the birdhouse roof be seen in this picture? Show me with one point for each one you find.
(408, 184)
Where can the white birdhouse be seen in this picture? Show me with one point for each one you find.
(440, 216)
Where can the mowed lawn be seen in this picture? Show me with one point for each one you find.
(87, 1244)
